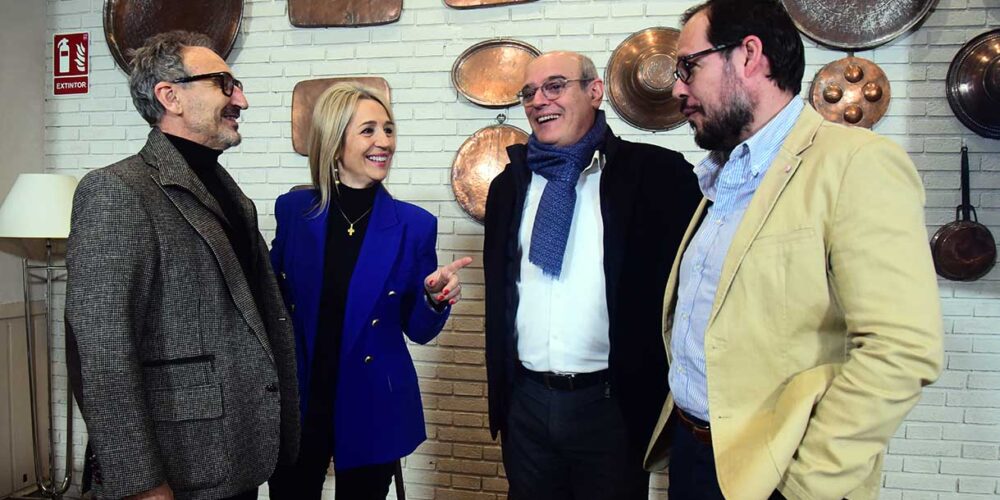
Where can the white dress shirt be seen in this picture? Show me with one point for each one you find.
(562, 323)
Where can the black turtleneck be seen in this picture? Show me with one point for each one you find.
(204, 161)
(341, 256)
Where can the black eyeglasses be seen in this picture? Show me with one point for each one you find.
(686, 64)
(551, 89)
(223, 79)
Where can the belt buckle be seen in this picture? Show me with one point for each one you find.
(550, 378)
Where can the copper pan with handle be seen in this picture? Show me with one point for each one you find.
(964, 250)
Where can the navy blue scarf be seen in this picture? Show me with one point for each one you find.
(561, 167)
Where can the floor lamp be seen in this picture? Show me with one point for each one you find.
(34, 225)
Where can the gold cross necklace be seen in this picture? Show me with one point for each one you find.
(350, 224)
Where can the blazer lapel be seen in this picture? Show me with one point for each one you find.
(781, 170)
(378, 253)
(312, 249)
(200, 209)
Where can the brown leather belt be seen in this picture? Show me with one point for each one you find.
(700, 431)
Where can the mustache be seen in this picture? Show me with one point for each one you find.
(231, 111)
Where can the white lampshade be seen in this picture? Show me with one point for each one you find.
(36, 209)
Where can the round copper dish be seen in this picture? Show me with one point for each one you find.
(856, 24)
(304, 97)
(472, 4)
(128, 23)
(640, 78)
(974, 84)
(478, 161)
(491, 73)
(343, 13)
(852, 91)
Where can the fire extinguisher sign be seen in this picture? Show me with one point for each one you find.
(71, 63)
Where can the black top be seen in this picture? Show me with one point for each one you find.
(648, 195)
(204, 161)
(341, 256)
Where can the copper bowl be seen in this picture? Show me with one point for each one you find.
(852, 91)
(856, 24)
(128, 23)
(640, 78)
(973, 84)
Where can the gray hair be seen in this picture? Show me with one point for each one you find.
(587, 69)
(159, 60)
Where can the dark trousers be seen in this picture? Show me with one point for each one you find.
(692, 467)
(304, 480)
(570, 445)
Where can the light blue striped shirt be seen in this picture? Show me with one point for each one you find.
(730, 183)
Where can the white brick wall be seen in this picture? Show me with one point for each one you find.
(947, 449)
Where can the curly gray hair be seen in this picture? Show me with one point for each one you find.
(159, 60)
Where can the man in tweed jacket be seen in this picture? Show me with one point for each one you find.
(177, 338)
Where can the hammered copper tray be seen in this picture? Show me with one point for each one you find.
(973, 84)
(343, 13)
(479, 159)
(852, 91)
(856, 24)
(640, 78)
(304, 100)
(472, 4)
(491, 73)
(128, 23)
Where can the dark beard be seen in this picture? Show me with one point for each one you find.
(722, 132)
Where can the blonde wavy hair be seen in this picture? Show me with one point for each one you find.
(334, 109)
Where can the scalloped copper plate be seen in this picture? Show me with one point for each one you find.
(856, 24)
(343, 13)
(304, 100)
(473, 4)
(479, 159)
(853, 91)
(973, 84)
(640, 78)
(490, 73)
(128, 23)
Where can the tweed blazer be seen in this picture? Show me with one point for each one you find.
(826, 323)
(182, 379)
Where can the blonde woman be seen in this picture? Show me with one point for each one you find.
(359, 271)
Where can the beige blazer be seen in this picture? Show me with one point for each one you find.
(826, 323)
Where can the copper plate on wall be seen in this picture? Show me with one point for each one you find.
(974, 84)
(471, 4)
(856, 24)
(852, 91)
(304, 100)
(479, 160)
(128, 23)
(343, 13)
(490, 73)
(640, 78)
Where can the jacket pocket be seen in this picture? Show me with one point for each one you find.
(189, 431)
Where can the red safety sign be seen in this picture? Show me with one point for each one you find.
(71, 63)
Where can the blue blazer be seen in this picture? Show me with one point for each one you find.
(378, 414)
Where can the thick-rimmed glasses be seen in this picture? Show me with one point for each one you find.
(551, 89)
(686, 64)
(223, 79)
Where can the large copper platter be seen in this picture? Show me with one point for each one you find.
(974, 84)
(857, 24)
(852, 91)
(471, 4)
(479, 160)
(491, 73)
(128, 23)
(640, 78)
(304, 97)
(343, 13)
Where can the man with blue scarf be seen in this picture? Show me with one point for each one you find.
(581, 228)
